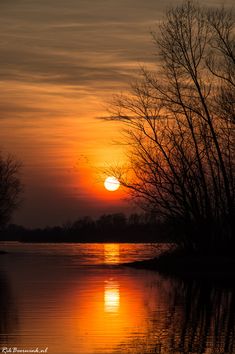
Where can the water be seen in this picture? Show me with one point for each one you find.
(77, 298)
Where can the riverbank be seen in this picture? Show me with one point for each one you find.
(178, 263)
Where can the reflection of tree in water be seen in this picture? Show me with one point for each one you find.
(212, 317)
(193, 317)
(206, 320)
(8, 317)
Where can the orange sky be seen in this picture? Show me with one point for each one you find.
(60, 63)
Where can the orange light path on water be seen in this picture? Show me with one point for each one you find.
(111, 253)
(111, 296)
(92, 310)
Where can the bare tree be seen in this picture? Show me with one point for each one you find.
(180, 127)
(10, 187)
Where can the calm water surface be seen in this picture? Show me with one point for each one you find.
(77, 298)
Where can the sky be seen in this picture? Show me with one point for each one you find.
(61, 62)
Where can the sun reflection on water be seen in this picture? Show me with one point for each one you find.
(111, 296)
(111, 253)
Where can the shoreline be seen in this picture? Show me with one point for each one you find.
(189, 266)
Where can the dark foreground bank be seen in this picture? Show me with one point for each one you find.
(179, 263)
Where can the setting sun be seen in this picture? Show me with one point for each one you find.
(111, 184)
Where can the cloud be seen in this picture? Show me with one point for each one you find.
(76, 42)
(72, 42)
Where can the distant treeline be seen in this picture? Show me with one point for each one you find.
(108, 228)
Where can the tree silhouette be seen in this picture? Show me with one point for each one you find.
(10, 187)
(180, 128)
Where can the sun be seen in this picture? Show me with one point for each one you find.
(111, 183)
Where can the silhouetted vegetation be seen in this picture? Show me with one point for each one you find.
(180, 129)
(10, 187)
(107, 228)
